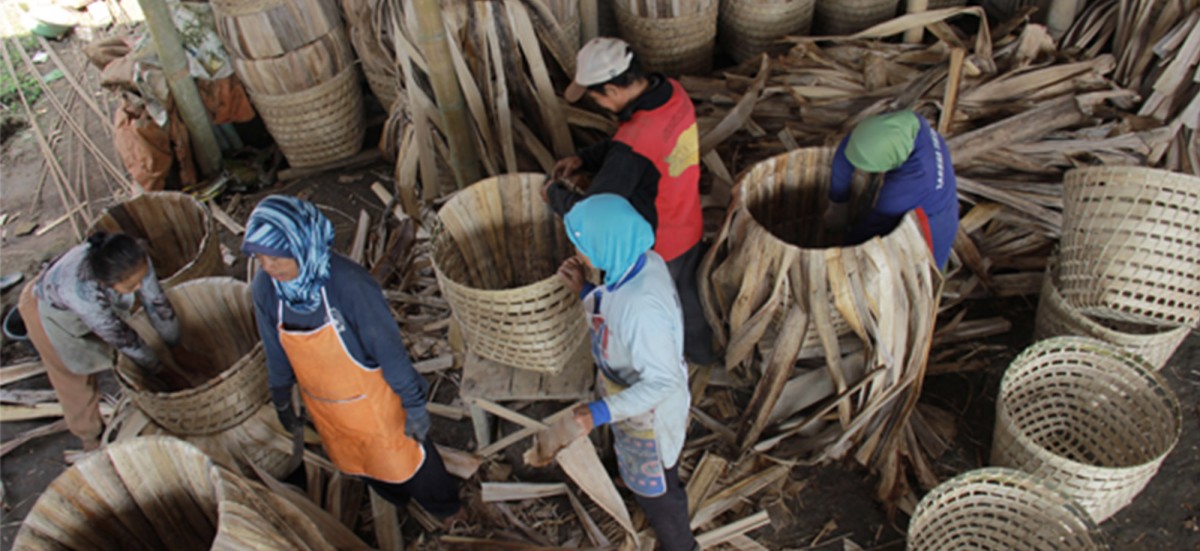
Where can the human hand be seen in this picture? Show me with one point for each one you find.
(288, 418)
(567, 429)
(566, 167)
(573, 274)
(417, 423)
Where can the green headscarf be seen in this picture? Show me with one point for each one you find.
(883, 142)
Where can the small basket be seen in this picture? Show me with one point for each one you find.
(177, 230)
(317, 126)
(842, 17)
(216, 320)
(261, 29)
(996, 509)
(496, 254)
(750, 27)
(300, 69)
(673, 45)
(1093, 420)
(1130, 247)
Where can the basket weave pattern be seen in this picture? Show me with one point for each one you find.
(1000, 510)
(319, 125)
(672, 45)
(750, 27)
(1093, 420)
(841, 17)
(177, 229)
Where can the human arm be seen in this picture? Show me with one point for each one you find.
(91, 303)
(280, 376)
(649, 331)
(841, 174)
(158, 307)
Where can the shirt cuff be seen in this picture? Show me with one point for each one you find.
(600, 413)
(587, 288)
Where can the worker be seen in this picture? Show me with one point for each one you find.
(653, 161)
(636, 327)
(913, 163)
(325, 325)
(75, 312)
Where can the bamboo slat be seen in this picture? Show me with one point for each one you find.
(177, 230)
(260, 29)
(297, 70)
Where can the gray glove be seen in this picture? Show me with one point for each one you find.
(416, 423)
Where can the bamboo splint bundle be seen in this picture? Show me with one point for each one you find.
(177, 230)
(671, 37)
(260, 29)
(750, 27)
(767, 259)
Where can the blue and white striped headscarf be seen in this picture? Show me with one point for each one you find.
(288, 227)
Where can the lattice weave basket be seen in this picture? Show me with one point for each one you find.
(672, 45)
(996, 509)
(750, 27)
(1130, 246)
(1093, 420)
(496, 255)
(319, 125)
(177, 231)
(841, 17)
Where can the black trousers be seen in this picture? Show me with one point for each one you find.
(668, 515)
(697, 335)
(431, 486)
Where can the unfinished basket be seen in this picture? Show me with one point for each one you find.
(751, 27)
(176, 230)
(161, 493)
(300, 69)
(319, 125)
(842, 17)
(672, 43)
(996, 509)
(496, 255)
(261, 29)
(1093, 420)
(1055, 317)
(1130, 246)
(364, 19)
(224, 379)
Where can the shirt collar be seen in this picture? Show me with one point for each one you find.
(657, 93)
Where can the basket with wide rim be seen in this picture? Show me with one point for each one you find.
(750, 27)
(1091, 419)
(225, 381)
(842, 17)
(319, 125)
(261, 29)
(176, 229)
(675, 45)
(300, 69)
(997, 509)
(1130, 247)
(496, 252)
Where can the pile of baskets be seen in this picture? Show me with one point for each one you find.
(674, 41)
(296, 61)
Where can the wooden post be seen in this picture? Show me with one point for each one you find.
(913, 36)
(183, 88)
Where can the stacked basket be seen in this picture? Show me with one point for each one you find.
(297, 63)
(842, 17)
(675, 38)
(750, 27)
(177, 230)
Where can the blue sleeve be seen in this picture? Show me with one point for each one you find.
(600, 414)
(842, 172)
(158, 307)
(279, 369)
(367, 313)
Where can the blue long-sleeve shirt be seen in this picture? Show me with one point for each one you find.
(926, 180)
(364, 322)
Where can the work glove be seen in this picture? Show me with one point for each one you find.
(416, 423)
(281, 398)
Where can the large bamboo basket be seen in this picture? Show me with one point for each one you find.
(1130, 246)
(1093, 420)
(751, 27)
(298, 70)
(160, 493)
(672, 43)
(261, 29)
(496, 257)
(177, 231)
(842, 17)
(566, 13)
(366, 20)
(1055, 317)
(996, 509)
(319, 125)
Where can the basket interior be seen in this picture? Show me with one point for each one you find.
(171, 226)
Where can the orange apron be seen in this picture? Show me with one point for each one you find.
(359, 416)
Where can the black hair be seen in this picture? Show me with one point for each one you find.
(113, 256)
(632, 74)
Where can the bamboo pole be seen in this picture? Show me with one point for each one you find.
(914, 35)
(183, 88)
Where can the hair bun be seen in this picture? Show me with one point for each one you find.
(97, 239)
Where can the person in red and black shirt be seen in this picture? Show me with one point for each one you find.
(653, 161)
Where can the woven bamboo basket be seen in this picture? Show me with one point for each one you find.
(1130, 246)
(224, 381)
(161, 493)
(319, 125)
(1093, 420)
(566, 13)
(673, 44)
(842, 17)
(496, 255)
(177, 231)
(939, 4)
(261, 29)
(300, 69)
(750, 27)
(364, 20)
(1055, 317)
(995, 509)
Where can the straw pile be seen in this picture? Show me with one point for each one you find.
(675, 37)
(177, 231)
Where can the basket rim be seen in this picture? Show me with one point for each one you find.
(209, 229)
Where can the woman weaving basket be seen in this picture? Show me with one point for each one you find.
(326, 326)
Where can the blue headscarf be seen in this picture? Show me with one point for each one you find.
(288, 227)
(607, 230)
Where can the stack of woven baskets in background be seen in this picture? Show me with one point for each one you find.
(750, 27)
(674, 37)
(296, 61)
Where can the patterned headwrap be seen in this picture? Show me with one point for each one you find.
(288, 227)
(607, 230)
(883, 142)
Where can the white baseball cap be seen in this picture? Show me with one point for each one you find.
(598, 61)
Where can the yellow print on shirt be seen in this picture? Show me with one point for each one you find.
(686, 153)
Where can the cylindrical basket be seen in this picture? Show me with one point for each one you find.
(300, 69)
(842, 17)
(750, 27)
(496, 257)
(1093, 420)
(1055, 317)
(1130, 244)
(261, 29)
(672, 44)
(319, 125)
(995, 509)
(177, 231)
